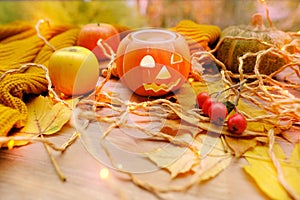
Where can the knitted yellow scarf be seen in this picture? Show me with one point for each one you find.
(20, 44)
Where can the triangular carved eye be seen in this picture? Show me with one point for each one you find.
(176, 58)
(163, 73)
(147, 61)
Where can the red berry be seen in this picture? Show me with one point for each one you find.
(217, 112)
(201, 97)
(207, 103)
(237, 123)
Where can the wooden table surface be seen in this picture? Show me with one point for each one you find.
(27, 173)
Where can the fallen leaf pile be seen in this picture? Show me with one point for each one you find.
(171, 141)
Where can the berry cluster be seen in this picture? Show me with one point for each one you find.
(218, 111)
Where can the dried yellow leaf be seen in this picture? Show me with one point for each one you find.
(216, 160)
(262, 170)
(177, 160)
(253, 111)
(240, 145)
(44, 118)
(184, 166)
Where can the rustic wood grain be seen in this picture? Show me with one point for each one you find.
(27, 173)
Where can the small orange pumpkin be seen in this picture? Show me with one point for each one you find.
(153, 62)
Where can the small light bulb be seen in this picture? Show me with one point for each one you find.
(62, 95)
(10, 144)
(104, 173)
(285, 92)
(144, 104)
(131, 107)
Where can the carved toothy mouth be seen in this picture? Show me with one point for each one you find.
(164, 87)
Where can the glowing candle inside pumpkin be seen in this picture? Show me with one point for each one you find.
(153, 62)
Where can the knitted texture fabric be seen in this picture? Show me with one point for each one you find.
(20, 44)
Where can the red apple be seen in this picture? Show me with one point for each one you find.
(91, 33)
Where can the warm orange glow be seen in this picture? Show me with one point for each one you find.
(263, 2)
(105, 118)
(104, 173)
(10, 144)
(132, 107)
(145, 104)
(42, 21)
(285, 92)
(265, 88)
(62, 95)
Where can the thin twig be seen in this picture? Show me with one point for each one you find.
(38, 32)
(56, 166)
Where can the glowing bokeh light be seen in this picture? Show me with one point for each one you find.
(104, 173)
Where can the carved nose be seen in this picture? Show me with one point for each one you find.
(163, 73)
(147, 62)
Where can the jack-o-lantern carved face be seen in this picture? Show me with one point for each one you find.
(153, 71)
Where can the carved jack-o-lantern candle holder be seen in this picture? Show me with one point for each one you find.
(153, 62)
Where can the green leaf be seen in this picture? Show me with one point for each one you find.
(229, 105)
